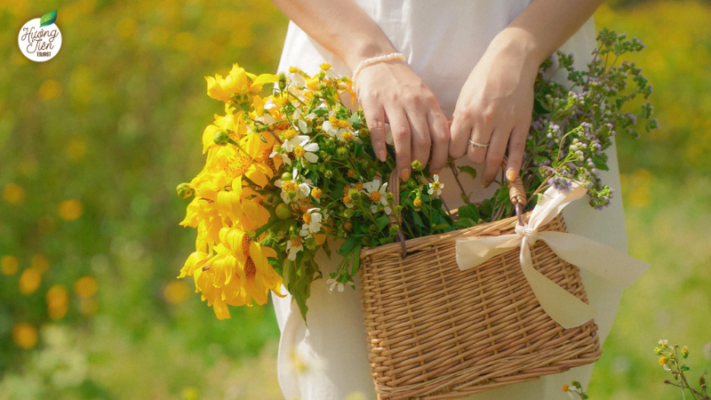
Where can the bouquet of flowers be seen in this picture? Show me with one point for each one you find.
(289, 171)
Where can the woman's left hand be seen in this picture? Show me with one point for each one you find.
(494, 108)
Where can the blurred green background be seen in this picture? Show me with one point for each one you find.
(93, 143)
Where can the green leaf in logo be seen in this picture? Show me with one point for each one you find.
(48, 19)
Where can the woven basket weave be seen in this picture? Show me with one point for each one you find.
(435, 332)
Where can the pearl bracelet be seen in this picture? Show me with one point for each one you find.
(376, 60)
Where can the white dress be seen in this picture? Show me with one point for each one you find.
(442, 41)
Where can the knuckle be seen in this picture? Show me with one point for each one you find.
(488, 115)
(464, 117)
(401, 132)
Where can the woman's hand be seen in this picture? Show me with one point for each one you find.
(494, 108)
(392, 92)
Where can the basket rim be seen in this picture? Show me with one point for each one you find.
(416, 244)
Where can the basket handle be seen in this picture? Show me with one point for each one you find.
(517, 195)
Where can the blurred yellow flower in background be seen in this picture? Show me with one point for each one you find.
(76, 150)
(57, 302)
(40, 262)
(70, 210)
(9, 265)
(85, 287)
(176, 292)
(30, 280)
(24, 335)
(50, 89)
(13, 193)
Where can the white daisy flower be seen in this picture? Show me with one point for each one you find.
(436, 186)
(290, 144)
(298, 184)
(296, 81)
(334, 283)
(376, 193)
(313, 221)
(284, 156)
(300, 123)
(294, 246)
(307, 150)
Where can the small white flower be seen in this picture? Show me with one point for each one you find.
(285, 157)
(664, 342)
(310, 150)
(436, 186)
(300, 123)
(296, 81)
(334, 283)
(290, 144)
(294, 246)
(376, 193)
(314, 222)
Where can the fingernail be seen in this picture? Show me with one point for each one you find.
(485, 185)
(433, 173)
(405, 174)
(511, 175)
(382, 154)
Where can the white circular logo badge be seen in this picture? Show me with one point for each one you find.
(40, 39)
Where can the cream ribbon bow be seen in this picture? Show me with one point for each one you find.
(604, 261)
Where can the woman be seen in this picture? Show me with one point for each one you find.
(472, 61)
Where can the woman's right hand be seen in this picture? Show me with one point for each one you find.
(391, 92)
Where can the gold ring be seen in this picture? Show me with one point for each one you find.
(479, 145)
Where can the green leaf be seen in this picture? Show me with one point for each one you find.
(348, 246)
(355, 265)
(468, 170)
(418, 220)
(383, 221)
(469, 211)
(539, 108)
(463, 223)
(599, 164)
(48, 19)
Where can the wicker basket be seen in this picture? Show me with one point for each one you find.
(435, 332)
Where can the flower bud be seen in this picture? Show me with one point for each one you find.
(348, 213)
(394, 230)
(416, 165)
(373, 230)
(184, 190)
(221, 138)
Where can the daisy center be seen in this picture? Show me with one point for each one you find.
(299, 151)
(307, 218)
(435, 185)
(375, 196)
(347, 136)
(290, 134)
(289, 186)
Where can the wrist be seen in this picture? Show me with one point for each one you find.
(519, 45)
(364, 50)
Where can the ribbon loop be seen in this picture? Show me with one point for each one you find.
(604, 261)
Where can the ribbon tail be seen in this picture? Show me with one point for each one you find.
(603, 261)
(474, 251)
(564, 308)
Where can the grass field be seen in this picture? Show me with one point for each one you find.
(94, 142)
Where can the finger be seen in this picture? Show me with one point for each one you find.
(400, 127)
(440, 135)
(481, 134)
(517, 147)
(420, 136)
(495, 154)
(375, 118)
(461, 132)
